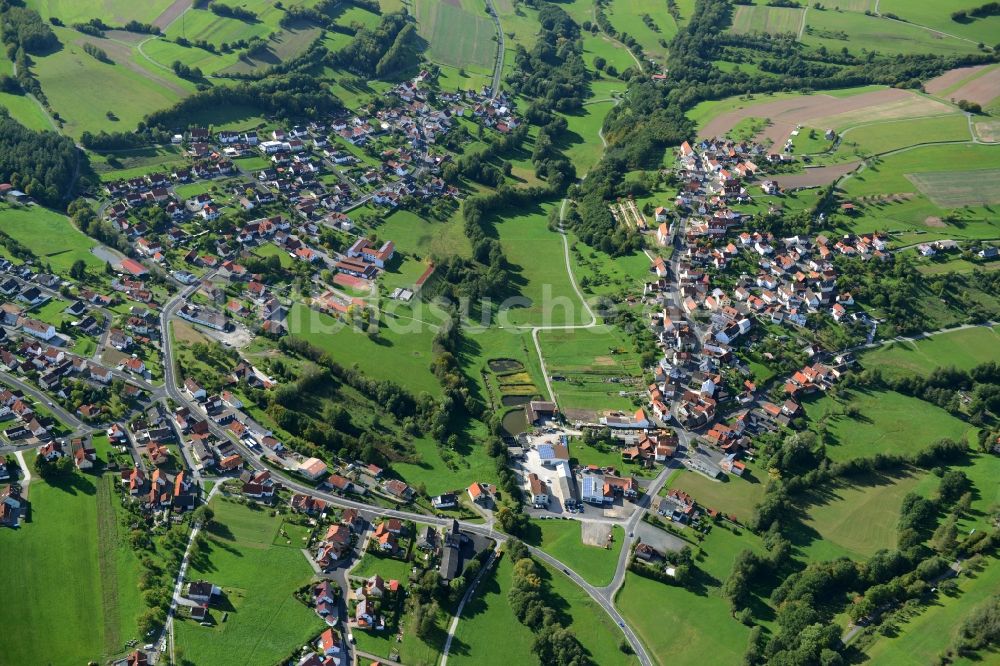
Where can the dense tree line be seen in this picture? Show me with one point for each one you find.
(25, 28)
(553, 73)
(232, 11)
(41, 164)
(289, 96)
(530, 598)
(363, 54)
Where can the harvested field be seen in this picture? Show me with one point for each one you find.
(935, 222)
(953, 189)
(817, 177)
(988, 130)
(982, 90)
(826, 111)
(951, 78)
(185, 332)
(172, 13)
(770, 20)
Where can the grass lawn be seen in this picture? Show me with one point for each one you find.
(415, 235)
(858, 516)
(827, 28)
(457, 36)
(582, 141)
(627, 16)
(890, 176)
(963, 349)
(83, 90)
(265, 621)
(26, 111)
(880, 138)
(401, 357)
(110, 11)
(733, 495)
(539, 266)
(488, 632)
(680, 626)
(50, 236)
(596, 365)
(95, 614)
(272, 250)
(923, 637)
(770, 20)
(443, 471)
(594, 628)
(562, 540)
(889, 422)
(389, 569)
(937, 14)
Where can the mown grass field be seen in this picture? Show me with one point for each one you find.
(963, 349)
(115, 12)
(949, 189)
(562, 540)
(258, 578)
(83, 90)
(26, 111)
(456, 35)
(681, 626)
(924, 636)
(488, 632)
(403, 358)
(539, 264)
(883, 137)
(598, 273)
(735, 495)
(770, 20)
(627, 17)
(936, 14)
(889, 422)
(587, 359)
(54, 566)
(857, 517)
(422, 238)
(828, 28)
(50, 236)
(912, 210)
(582, 140)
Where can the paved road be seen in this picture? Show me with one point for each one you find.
(498, 66)
(78, 426)
(461, 606)
(168, 628)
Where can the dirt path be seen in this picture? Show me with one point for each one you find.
(121, 53)
(172, 13)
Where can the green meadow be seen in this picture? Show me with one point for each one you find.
(562, 540)
(828, 28)
(936, 14)
(403, 357)
(111, 11)
(963, 349)
(50, 236)
(265, 623)
(537, 257)
(594, 364)
(926, 633)
(423, 238)
(888, 422)
(92, 95)
(856, 517)
(95, 604)
(770, 20)
(873, 187)
(701, 628)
